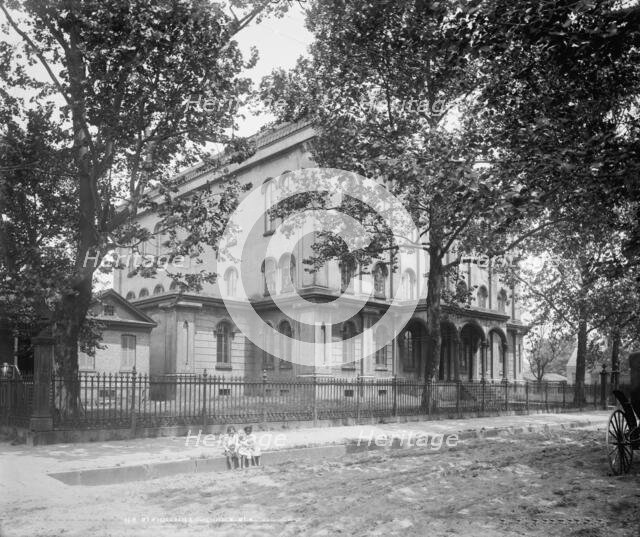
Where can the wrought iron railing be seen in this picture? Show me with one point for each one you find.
(16, 400)
(131, 400)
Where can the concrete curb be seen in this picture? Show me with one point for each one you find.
(141, 472)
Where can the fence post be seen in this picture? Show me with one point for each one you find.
(506, 395)
(564, 394)
(603, 387)
(264, 396)
(546, 396)
(133, 401)
(41, 416)
(483, 383)
(394, 388)
(315, 400)
(526, 395)
(204, 400)
(458, 388)
(358, 398)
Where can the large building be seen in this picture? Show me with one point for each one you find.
(195, 332)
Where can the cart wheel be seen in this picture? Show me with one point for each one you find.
(619, 450)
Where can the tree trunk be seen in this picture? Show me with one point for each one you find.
(615, 358)
(435, 283)
(581, 358)
(69, 319)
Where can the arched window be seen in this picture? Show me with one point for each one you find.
(131, 295)
(269, 276)
(381, 346)
(173, 286)
(408, 285)
(482, 296)
(287, 268)
(267, 357)
(348, 343)
(461, 291)
(269, 218)
(347, 272)
(409, 350)
(133, 262)
(231, 281)
(502, 301)
(144, 292)
(380, 280)
(128, 352)
(157, 238)
(158, 289)
(223, 343)
(285, 346)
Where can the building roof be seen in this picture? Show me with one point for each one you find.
(125, 313)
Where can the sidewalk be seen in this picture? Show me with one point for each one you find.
(130, 460)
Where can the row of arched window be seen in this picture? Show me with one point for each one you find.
(482, 296)
(284, 271)
(287, 278)
(285, 350)
(157, 290)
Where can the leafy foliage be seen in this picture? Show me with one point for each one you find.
(119, 113)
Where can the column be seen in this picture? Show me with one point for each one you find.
(41, 418)
(505, 361)
(483, 359)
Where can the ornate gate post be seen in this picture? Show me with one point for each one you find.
(603, 387)
(41, 417)
(634, 365)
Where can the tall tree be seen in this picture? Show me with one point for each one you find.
(126, 81)
(561, 115)
(386, 84)
(581, 288)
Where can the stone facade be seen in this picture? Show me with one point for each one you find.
(194, 332)
(126, 337)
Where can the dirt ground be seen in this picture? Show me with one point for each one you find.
(544, 485)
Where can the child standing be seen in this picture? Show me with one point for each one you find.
(251, 446)
(243, 450)
(230, 444)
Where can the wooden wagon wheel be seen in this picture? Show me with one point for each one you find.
(619, 449)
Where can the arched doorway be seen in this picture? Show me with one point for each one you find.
(448, 351)
(497, 355)
(411, 346)
(471, 340)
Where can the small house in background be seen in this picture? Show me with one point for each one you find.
(571, 369)
(125, 337)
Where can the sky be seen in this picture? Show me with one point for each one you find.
(280, 41)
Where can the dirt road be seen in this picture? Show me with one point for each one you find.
(527, 485)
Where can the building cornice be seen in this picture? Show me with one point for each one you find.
(316, 294)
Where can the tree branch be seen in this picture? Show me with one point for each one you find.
(38, 53)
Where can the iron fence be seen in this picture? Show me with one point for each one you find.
(130, 400)
(16, 400)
